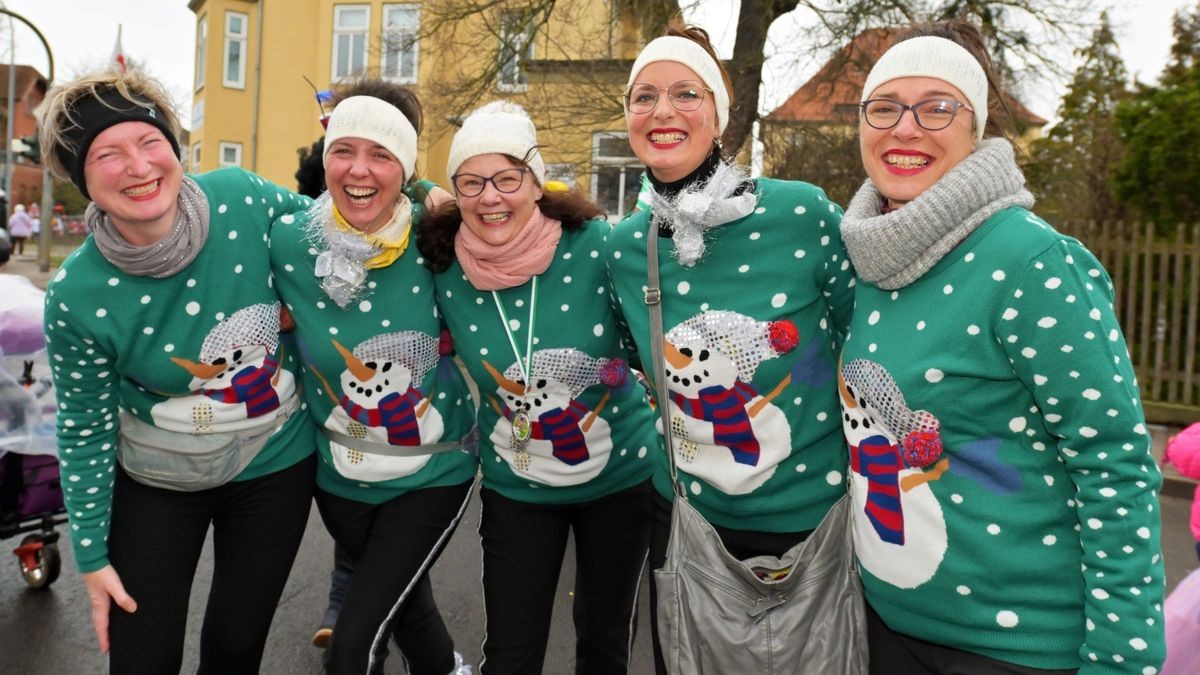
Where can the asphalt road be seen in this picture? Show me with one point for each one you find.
(49, 633)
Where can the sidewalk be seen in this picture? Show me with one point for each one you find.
(27, 266)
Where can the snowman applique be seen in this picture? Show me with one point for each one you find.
(568, 443)
(725, 431)
(237, 383)
(382, 401)
(895, 454)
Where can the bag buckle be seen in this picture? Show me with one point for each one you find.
(653, 296)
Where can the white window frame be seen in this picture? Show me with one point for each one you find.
(512, 33)
(196, 156)
(626, 163)
(197, 114)
(407, 36)
(340, 33)
(201, 51)
(225, 146)
(239, 39)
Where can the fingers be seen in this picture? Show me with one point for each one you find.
(104, 588)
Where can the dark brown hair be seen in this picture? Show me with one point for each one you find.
(966, 35)
(398, 95)
(436, 232)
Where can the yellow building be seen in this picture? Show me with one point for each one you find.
(252, 106)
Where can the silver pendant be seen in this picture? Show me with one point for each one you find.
(522, 427)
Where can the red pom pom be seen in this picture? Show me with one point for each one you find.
(922, 448)
(783, 336)
(445, 344)
(614, 373)
(287, 324)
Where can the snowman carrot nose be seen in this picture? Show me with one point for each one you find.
(201, 371)
(676, 358)
(357, 368)
(503, 382)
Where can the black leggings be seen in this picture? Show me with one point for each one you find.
(523, 546)
(741, 544)
(393, 546)
(154, 544)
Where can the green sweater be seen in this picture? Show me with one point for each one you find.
(377, 370)
(579, 366)
(995, 396)
(118, 341)
(753, 329)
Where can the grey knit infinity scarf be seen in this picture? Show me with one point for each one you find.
(893, 250)
(168, 255)
(700, 207)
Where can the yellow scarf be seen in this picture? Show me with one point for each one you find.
(391, 239)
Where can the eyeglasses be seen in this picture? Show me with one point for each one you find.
(684, 95)
(507, 181)
(932, 114)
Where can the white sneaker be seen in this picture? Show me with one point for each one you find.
(461, 667)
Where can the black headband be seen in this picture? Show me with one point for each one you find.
(92, 115)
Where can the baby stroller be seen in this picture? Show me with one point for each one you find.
(31, 501)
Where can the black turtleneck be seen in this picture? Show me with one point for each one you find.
(702, 173)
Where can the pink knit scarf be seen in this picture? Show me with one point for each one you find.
(491, 268)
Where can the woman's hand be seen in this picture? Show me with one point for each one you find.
(104, 587)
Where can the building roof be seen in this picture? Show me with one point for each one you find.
(833, 93)
(25, 77)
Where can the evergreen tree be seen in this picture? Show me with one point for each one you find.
(1161, 130)
(1072, 168)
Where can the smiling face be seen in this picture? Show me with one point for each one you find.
(493, 216)
(132, 173)
(906, 160)
(364, 180)
(672, 143)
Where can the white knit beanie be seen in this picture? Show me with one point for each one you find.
(375, 120)
(691, 54)
(930, 56)
(500, 127)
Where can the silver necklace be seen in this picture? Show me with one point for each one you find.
(521, 422)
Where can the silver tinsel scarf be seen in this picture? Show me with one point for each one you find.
(699, 208)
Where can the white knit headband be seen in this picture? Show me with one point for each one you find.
(374, 120)
(939, 58)
(692, 55)
(500, 127)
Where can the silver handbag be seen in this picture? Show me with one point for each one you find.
(715, 615)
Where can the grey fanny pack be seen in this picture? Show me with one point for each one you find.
(186, 462)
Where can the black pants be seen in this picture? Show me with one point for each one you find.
(393, 546)
(741, 544)
(154, 544)
(523, 547)
(894, 653)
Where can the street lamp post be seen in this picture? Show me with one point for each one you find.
(44, 240)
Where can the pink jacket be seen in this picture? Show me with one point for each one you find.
(1183, 451)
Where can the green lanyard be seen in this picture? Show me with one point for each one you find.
(525, 365)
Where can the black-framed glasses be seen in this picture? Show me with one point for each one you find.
(684, 95)
(932, 114)
(507, 181)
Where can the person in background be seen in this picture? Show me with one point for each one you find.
(162, 329)
(566, 434)
(756, 293)
(20, 227)
(1183, 450)
(1005, 498)
(394, 413)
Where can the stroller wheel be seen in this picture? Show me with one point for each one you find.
(40, 562)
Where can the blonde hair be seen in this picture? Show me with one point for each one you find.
(56, 114)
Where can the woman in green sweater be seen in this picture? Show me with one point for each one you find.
(756, 291)
(1006, 517)
(178, 405)
(566, 435)
(394, 413)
